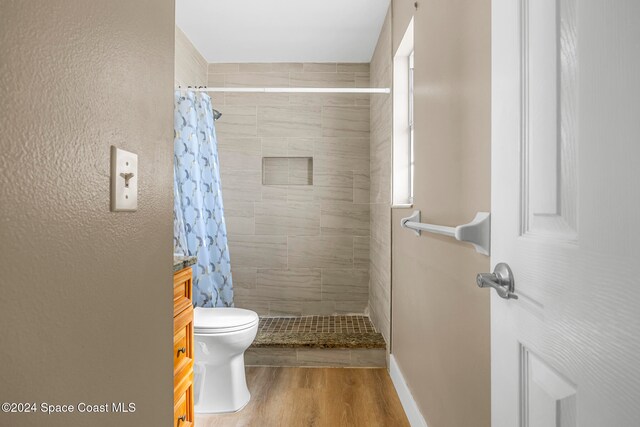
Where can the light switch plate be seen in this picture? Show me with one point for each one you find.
(124, 180)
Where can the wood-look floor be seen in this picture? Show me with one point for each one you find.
(319, 397)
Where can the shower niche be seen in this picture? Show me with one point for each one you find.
(287, 170)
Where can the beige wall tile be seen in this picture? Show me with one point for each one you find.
(361, 252)
(326, 99)
(190, 66)
(302, 121)
(300, 193)
(380, 186)
(244, 280)
(278, 79)
(345, 284)
(381, 215)
(256, 79)
(324, 67)
(291, 125)
(300, 171)
(380, 256)
(290, 219)
(380, 125)
(240, 153)
(275, 177)
(241, 186)
(274, 147)
(239, 98)
(369, 358)
(241, 145)
(239, 217)
(217, 100)
(250, 302)
(319, 308)
(300, 147)
(256, 67)
(215, 80)
(324, 357)
(352, 147)
(295, 284)
(320, 251)
(344, 219)
(345, 121)
(341, 154)
(362, 358)
(275, 164)
(271, 357)
(363, 80)
(379, 306)
(223, 68)
(361, 187)
(335, 186)
(287, 66)
(351, 307)
(239, 121)
(362, 99)
(322, 80)
(275, 193)
(275, 171)
(353, 67)
(380, 183)
(285, 308)
(258, 251)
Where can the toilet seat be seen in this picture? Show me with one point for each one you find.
(208, 321)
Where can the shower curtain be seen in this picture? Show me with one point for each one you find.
(199, 227)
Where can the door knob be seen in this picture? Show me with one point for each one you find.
(501, 280)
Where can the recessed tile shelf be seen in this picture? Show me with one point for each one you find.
(287, 170)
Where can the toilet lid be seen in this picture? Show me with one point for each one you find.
(216, 320)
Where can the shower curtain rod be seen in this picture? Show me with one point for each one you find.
(292, 89)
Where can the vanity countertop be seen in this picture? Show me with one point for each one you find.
(180, 262)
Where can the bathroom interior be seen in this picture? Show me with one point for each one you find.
(305, 184)
(327, 186)
(297, 231)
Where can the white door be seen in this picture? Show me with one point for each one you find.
(566, 212)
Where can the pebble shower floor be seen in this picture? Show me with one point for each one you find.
(317, 324)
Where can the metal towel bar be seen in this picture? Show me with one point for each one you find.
(477, 232)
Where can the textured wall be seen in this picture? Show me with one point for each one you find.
(86, 307)
(440, 317)
(296, 249)
(190, 66)
(380, 193)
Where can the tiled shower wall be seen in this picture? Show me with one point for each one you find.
(190, 67)
(296, 249)
(381, 113)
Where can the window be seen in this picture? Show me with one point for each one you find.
(411, 128)
(403, 122)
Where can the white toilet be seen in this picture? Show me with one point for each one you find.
(221, 337)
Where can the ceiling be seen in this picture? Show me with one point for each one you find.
(282, 30)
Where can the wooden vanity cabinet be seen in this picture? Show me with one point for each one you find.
(182, 349)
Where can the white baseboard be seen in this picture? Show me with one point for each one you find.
(409, 405)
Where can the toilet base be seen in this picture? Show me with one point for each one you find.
(220, 388)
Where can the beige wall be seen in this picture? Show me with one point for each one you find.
(440, 317)
(190, 66)
(296, 249)
(380, 152)
(86, 307)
